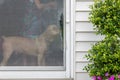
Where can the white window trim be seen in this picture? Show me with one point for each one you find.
(68, 72)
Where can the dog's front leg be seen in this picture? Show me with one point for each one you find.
(41, 60)
(7, 51)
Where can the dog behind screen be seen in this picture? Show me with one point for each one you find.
(35, 47)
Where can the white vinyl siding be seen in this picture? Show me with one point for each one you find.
(84, 37)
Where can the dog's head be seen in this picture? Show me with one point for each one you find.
(53, 30)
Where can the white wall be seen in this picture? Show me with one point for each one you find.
(85, 36)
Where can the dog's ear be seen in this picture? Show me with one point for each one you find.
(54, 28)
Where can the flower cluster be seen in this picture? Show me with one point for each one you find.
(96, 78)
(108, 77)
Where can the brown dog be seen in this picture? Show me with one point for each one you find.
(36, 47)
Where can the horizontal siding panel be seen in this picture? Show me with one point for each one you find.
(85, 37)
(83, 46)
(82, 76)
(79, 67)
(82, 16)
(84, 26)
(88, 37)
(83, 6)
(80, 57)
(84, 0)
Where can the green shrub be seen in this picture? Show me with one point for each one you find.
(104, 56)
(105, 16)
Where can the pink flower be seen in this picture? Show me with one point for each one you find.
(94, 78)
(119, 76)
(99, 78)
(107, 74)
(112, 77)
